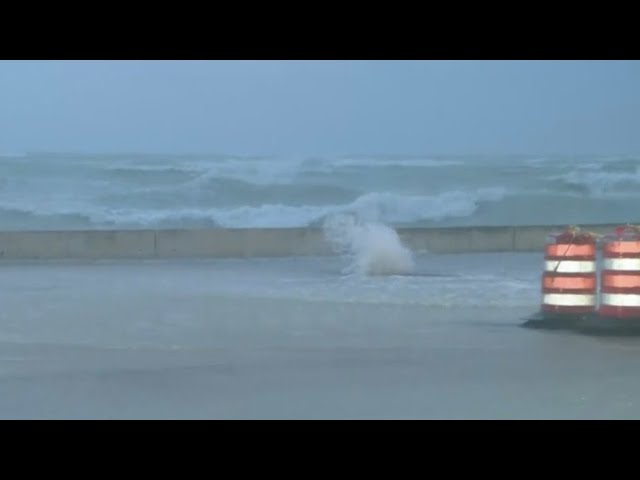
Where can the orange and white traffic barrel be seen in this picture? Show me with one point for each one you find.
(620, 276)
(569, 281)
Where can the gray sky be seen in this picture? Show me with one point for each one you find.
(320, 107)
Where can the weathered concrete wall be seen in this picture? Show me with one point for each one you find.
(240, 243)
(258, 242)
(78, 244)
(532, 238)
(457, 240)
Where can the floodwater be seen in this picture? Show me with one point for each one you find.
(298, 338)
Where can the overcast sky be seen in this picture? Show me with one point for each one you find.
(320, 107)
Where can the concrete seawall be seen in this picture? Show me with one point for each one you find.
(238, 243)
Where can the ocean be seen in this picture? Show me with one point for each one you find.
(58, 191)
(378, 331)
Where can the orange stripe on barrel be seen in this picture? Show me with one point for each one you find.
(620, 281)
(570, 250)
(622, 247)
(570, 283)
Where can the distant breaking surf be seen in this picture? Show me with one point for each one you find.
(71, 191)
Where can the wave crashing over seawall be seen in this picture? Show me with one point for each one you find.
(371, 248)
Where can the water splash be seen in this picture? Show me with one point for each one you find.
(372, 248)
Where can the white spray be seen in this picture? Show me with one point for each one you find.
(372, 248)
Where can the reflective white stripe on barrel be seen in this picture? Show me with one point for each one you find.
(569, 299)
(620, 300)
(623, 264)
(570, 266)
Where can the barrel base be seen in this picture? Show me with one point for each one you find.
(550, 321)
(609, 326)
